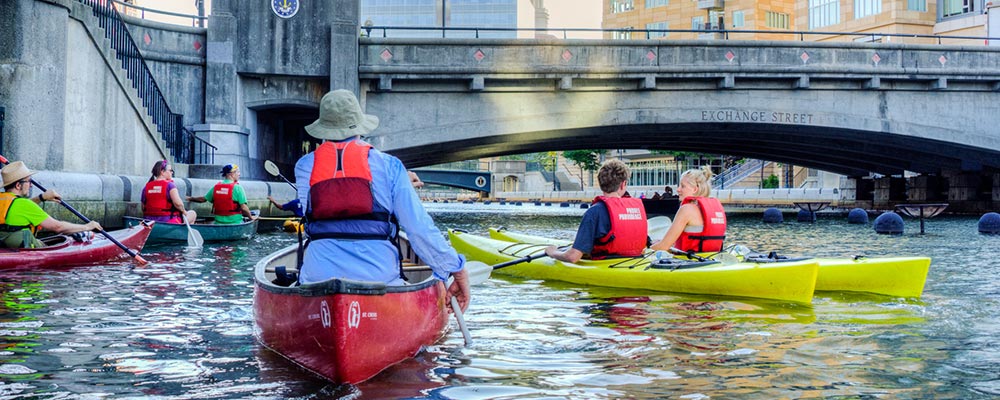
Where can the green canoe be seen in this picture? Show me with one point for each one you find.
(165, 232)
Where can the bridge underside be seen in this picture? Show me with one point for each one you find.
(842, 151)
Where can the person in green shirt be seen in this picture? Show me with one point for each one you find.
(22, 217)
(229, 201)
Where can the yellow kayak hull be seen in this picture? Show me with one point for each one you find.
(892, 276)
(791, 281)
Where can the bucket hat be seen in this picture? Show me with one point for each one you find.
(341, 117)
(14, 172)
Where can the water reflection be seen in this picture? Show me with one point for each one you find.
(182, 328)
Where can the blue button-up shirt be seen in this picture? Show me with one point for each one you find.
(377, 260)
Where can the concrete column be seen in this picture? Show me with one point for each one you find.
(889, 190)
(926, 189)
(344, 28)
(966, 192)
(222, 127)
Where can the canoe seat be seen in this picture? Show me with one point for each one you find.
(285, 277)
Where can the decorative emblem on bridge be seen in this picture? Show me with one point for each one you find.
(942, 59)
(730, 56)
(650, 55)
(566, 55)
(285, 8)
(146, 39)
(876, 59)
(480, 181)
(386, 55)
(479, 55)
(804, 57)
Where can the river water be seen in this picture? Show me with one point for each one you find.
(182, 327)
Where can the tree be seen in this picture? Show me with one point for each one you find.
(770, 183)
(587, 160)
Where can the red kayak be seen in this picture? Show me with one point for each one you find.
(64, 251)
(346, 331)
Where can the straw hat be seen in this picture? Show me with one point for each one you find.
(14, 172)
(341, 117)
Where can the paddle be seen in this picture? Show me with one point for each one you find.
(194, 237)
(127, 250)
(272, 169)
(479, 272)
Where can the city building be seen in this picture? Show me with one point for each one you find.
(831, 20)
(502, 14)
(687, 19)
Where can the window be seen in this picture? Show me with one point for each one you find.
(738, 21)
(698, 23)
(823, 13)
(776, 20)
(951, 8)
(657, 26)
(618, 6)
(864, 8)
(916, 5)
(625, 33)
(656, 3)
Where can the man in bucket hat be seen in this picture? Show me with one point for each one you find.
(21, 218)
(229, 201)
(356, 197)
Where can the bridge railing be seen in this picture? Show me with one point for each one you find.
(133, 10)
(659, 34)
(737, 173)
(169, 124)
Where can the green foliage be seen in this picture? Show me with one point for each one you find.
(770, 183)
(587, 160)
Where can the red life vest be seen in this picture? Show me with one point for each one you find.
(158, 202)
(341, 202)
(7, 200)
(222, 199)
(714, 232)
(629, 233)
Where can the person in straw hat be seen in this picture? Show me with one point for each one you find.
(356, 197)
(22, 217)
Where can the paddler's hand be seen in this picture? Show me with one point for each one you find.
(460, 288)
(93, 226)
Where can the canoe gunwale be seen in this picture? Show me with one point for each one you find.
(330, 286)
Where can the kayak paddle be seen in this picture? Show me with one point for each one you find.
(479, 271)
(272, 169)
(127, 250)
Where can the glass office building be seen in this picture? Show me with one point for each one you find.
(444, 13)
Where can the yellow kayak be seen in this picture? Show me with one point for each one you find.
(893, 276)
(789, 281)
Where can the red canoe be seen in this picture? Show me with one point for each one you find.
(64, 251)
(345, 331)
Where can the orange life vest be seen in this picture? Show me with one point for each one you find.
(629, 233)
(222, 199)
(7, 200)
(341, 202)
(157, 199)
(714, 232)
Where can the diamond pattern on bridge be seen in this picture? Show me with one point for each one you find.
(804, 57)
(650, 55)
(566, 55)
(876, 58)
(479, 55)
(386, 55)
(942, 59)
(730, 56)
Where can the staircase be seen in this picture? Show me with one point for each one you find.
(733, 175)
(180, 142)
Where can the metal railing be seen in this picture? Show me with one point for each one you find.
(649, 33)
(178, 140)
(140, 12)
(737, 173)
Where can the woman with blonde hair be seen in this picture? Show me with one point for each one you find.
(700, 222)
